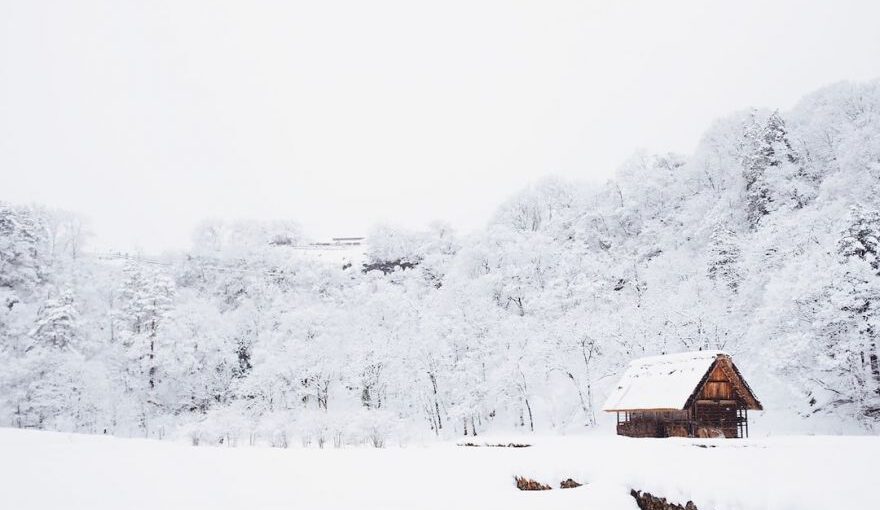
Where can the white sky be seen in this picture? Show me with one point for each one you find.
(150, 116)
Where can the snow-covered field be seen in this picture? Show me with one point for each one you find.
(45, 470)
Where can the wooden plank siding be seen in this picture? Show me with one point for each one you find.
(718, 386)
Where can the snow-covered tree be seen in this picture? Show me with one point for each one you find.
(772, 169)
(57, 323)
(145, 300)
(724, 258)
(861, 239)
(23, 249)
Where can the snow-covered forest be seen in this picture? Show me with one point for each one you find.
(765, 242)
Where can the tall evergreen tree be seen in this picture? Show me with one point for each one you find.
(724, 258)
(58, 323)
(768, 161)
(147, 297)
(861, 239)
(22, 249)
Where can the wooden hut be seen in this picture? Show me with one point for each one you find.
(691, 394)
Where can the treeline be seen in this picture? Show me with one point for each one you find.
(763, 243)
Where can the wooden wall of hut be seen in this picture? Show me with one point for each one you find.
(718, 386)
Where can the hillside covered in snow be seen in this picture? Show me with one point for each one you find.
(764, 243)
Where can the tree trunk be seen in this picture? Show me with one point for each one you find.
(587, 410)
(531, 419)
(436, 401)
(152, 366)
(875, 367)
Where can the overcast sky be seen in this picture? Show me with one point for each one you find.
(150, 116)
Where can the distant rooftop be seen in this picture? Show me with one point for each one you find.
(340, 242)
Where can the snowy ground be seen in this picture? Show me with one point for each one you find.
(43, 470)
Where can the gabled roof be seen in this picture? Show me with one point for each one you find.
(667, 382)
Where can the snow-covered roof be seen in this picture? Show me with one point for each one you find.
(660, 382)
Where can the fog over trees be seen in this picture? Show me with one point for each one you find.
(765, 242)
